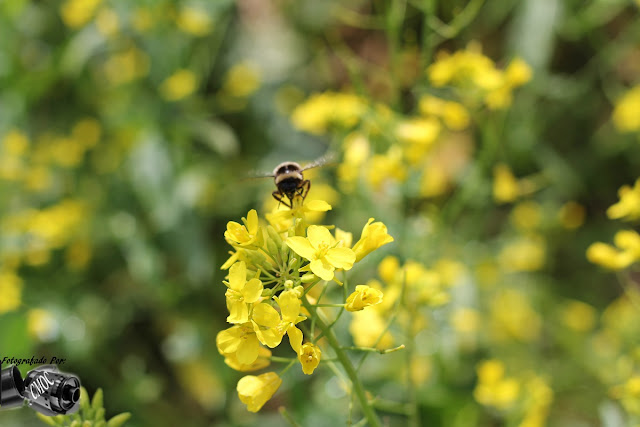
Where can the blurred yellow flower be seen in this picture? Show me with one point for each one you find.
(505, 184)
(608, 256)
(78, 254)
(373, 236)
(518, 72)
(322, 110)
(319, 247)
(256, 391)
(527, 253)
(493, 388)
(526, 215)
(87, 131)
(368, 329)
(241, 80)
(579, 316)
(76, 13)
(364, 296)
(194, 21)
(10, 291)
(628, 207)
(572, 215)
(126, 66)
(309, 356)
(179, 85)
(423, 131)
(107, 22)
(512, 317)
(625, 114)
(15, 143)
(41, 324)
(465, 320)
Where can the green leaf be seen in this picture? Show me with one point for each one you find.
(98, 400)
(99, 414)
(119, 420)
(46, 419)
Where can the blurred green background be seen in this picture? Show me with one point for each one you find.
(128, 129)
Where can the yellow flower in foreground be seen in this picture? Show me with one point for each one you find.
(240, 341)
(628, 207)
(256, 391)
(241, 293)
(505, 185)
(319, 248)
(179, 85)
(364, 296)
(374, 235)
(309, 357)
(281, 219)
(625, 114)
(247, 235)
(263, 360)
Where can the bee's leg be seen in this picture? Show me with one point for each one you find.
(280, 198)
(304, 188)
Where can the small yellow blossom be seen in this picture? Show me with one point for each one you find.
(513, 317)
(241, 293)
(247, 235)
(364, 296)
(423, 131)
(505, 184)
(374, 235)
(263, 360)
(572, 215)
(389, 268)
(256, 391)
(526, 215)
(179, 85)
(126, 66)
(10, 291)
(107, 22)
(270, 328)
(241, 80)
(241, 341)
(608, 256)
(309, 357)
(368, 329)
(579, 316)
(493, 388)
(628, 207)
(194, 21)
(625, 114)
(527, 253)
(15, 143)
(76, 13)
(319, 247)
(518, 72)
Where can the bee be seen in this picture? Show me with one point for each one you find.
(290, 182)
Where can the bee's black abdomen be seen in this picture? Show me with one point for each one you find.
(288, 186)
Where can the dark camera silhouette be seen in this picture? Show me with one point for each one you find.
(45, 388)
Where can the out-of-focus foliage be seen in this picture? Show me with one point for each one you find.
(499, 142)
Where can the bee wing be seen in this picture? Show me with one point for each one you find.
(327, 158)
(257, 175)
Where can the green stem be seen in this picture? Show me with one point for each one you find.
(341, 355)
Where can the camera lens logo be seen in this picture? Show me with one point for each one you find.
(52, 392)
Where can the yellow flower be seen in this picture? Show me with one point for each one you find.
(364, 296)
(256, 391)
(423, 131)
(241, 80)
(526, 253)
(240, 341)
(15, 143)
(76, 13)
(493, 389)
(263, 360)
(107, 22)
(625, 114)
(319, 248)
(628, 207)
(513, 317)
(41, 324)
(518, 72)
(194, 21)
(572, 215)
(505, 185)
(10, 291)
(374, 235)
(579, 316)
(368, 329)
(126, 66)
(179, 85)
(247, 235)
(309, 357)
(322, 110)
(281, 219)
(241, 293)
(608, 256)
(270, 327)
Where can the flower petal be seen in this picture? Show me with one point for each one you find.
(301, 246)
(252, 221)
(252, 291)
(237, 276)
(265, 315)
(322, 269)
(341, 258)
(248, 351)
(318, 234)
(318, 206)
(295, 338)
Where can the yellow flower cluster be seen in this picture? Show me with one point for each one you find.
(476, 75)
(270, 274)
(627, 242)
(324, 110)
